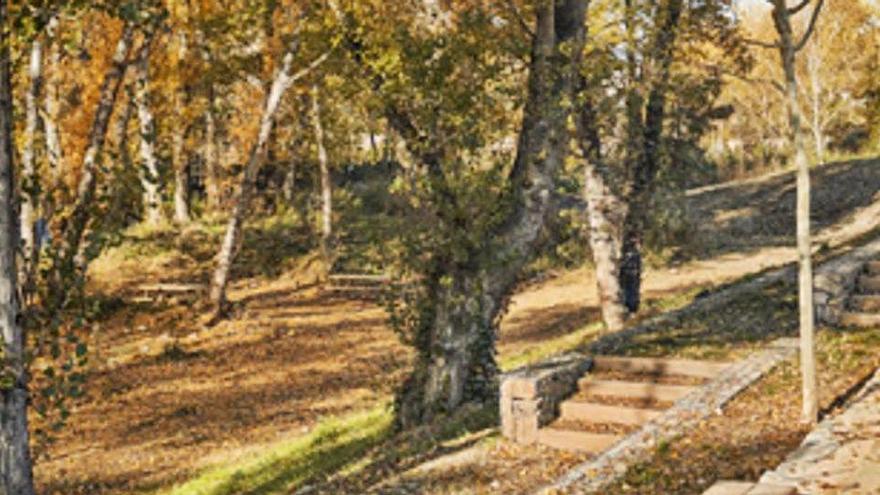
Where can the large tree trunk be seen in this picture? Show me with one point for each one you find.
(284, 78)
(646, 157)
(74, 225)
(604, 212)
(787, 51)
(30, 181)
(149, 168)
(15, 463)
(456, 361)
(326, 183)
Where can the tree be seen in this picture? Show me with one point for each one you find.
(326, 184)
(631, 126)
(284, 78)
(15, 462)
(788, 46)
(475, 207)
(149, 168)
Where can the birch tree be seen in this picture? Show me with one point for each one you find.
(283, 79)
(326, 184)
(30, 178)
(149, 168)
(15, 461)
(788, 45)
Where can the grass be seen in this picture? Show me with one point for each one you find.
(291, 464)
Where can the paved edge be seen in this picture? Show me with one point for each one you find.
(593, 475)
(823, 441)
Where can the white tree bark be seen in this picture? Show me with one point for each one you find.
(15, 463)
(282, 81)
(51, 112)
(30, 181)
(149, 169)
(788, 48)
(74, 225)
(179, 157)
(326, 183)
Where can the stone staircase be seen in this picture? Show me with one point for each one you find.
(863, 307)
(618, 396)
(747, 488)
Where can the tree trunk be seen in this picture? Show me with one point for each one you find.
(284, 78)
(604, 210)
(212, 173)
(52, 107)
(646, 156)
(74, 225)
(30, 181)
(179, 158)
(289, 186)
(326, 183)
(15, 462)
(456, 361)
(149, 168)
(787, 51)
(181, 178)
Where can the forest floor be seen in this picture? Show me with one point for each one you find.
(294, 388)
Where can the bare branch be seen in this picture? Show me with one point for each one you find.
(798, 8)
(762, 44)
(519, 18)
(810, 27)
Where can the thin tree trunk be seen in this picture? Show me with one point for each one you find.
(74, 225)
(149, 169)
(212, 174)
(30, 181)
(284, 78)
(288, 189)
(180, 159)
(52, 110)
(15, 461)
(181, 178)
(326, 183)
(787, 52)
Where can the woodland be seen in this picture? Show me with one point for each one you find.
(290, 246)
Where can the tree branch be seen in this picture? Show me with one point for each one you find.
(811, 27)
(762, 44)
(519, 18)
(798, 8)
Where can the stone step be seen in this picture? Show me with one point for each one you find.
(730, 488)
(702, 369)
(602, 413)
(868, 284)
(576, 440)
(639, 390)
(865, 303)
(856, 319)
(749, 488)
(872, 267)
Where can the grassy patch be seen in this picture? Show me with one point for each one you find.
(332, 445)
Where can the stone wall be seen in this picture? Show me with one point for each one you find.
(835, 280)
(530, 396)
